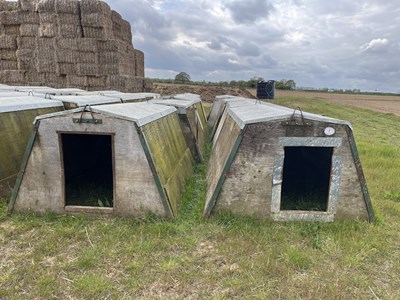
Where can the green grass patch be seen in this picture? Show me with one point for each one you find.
(225, 257)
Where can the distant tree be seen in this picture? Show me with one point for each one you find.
(182, 77)
(285, 84)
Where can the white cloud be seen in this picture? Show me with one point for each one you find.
(316, 43)
(375, 45)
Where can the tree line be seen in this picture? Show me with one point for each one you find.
(184, 78)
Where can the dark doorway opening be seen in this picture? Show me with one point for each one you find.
(88, 169)
(306, 177)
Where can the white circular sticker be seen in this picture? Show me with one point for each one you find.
(329, 131)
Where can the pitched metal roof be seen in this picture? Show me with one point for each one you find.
(141, 113)
(86, 99)
(25, 103)
(126, 97)
(255, 111)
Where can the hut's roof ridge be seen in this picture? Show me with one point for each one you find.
(26, 102)
(82, 100)
(254, 111)
(141, 113)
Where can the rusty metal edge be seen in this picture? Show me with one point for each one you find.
(157, 180)
(24, 163)
(360, 173)
(210, 205)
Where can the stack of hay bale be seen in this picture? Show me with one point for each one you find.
(68, 43)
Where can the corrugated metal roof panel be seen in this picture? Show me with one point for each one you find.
(26, 103)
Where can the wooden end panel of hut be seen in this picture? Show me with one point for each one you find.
(43, 185)
(172, 158)
(16, 128)
(223, 154)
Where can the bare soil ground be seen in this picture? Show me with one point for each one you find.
(207, 93)
(381, 103)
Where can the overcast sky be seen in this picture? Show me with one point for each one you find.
(337, 44)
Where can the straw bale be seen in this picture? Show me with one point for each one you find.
(96, 81)
(108, 69)
(139, 63)
(69, 31)
(26, 64)
(11, 76)
(8, 65)
(96, 20)
(11, 30)
(67, 6)
(66, 68)
(87, 45)
(86, 57)
(76, 81)
(8, 42)
(147, 85)
(116, 82)
(45, 6)
(46, 54)
(8, 54)
(28, 29)
(45, 66)
(44, 43)
(109, 57)
(97, 32)
(67, 43)
(27, 5)
(33, 76)
(8, 5)
(110, 45)
(19, 17)
(47, 17)
(95, 6)
(66, 56)
(88, 69)
(26, 42)
(52, 78)
(48, 30)
(72, 19)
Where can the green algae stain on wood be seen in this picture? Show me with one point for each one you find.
(172, 158)
(15, 127)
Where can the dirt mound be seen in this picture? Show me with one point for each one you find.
(207, 93)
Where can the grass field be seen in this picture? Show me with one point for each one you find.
(226, 257)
